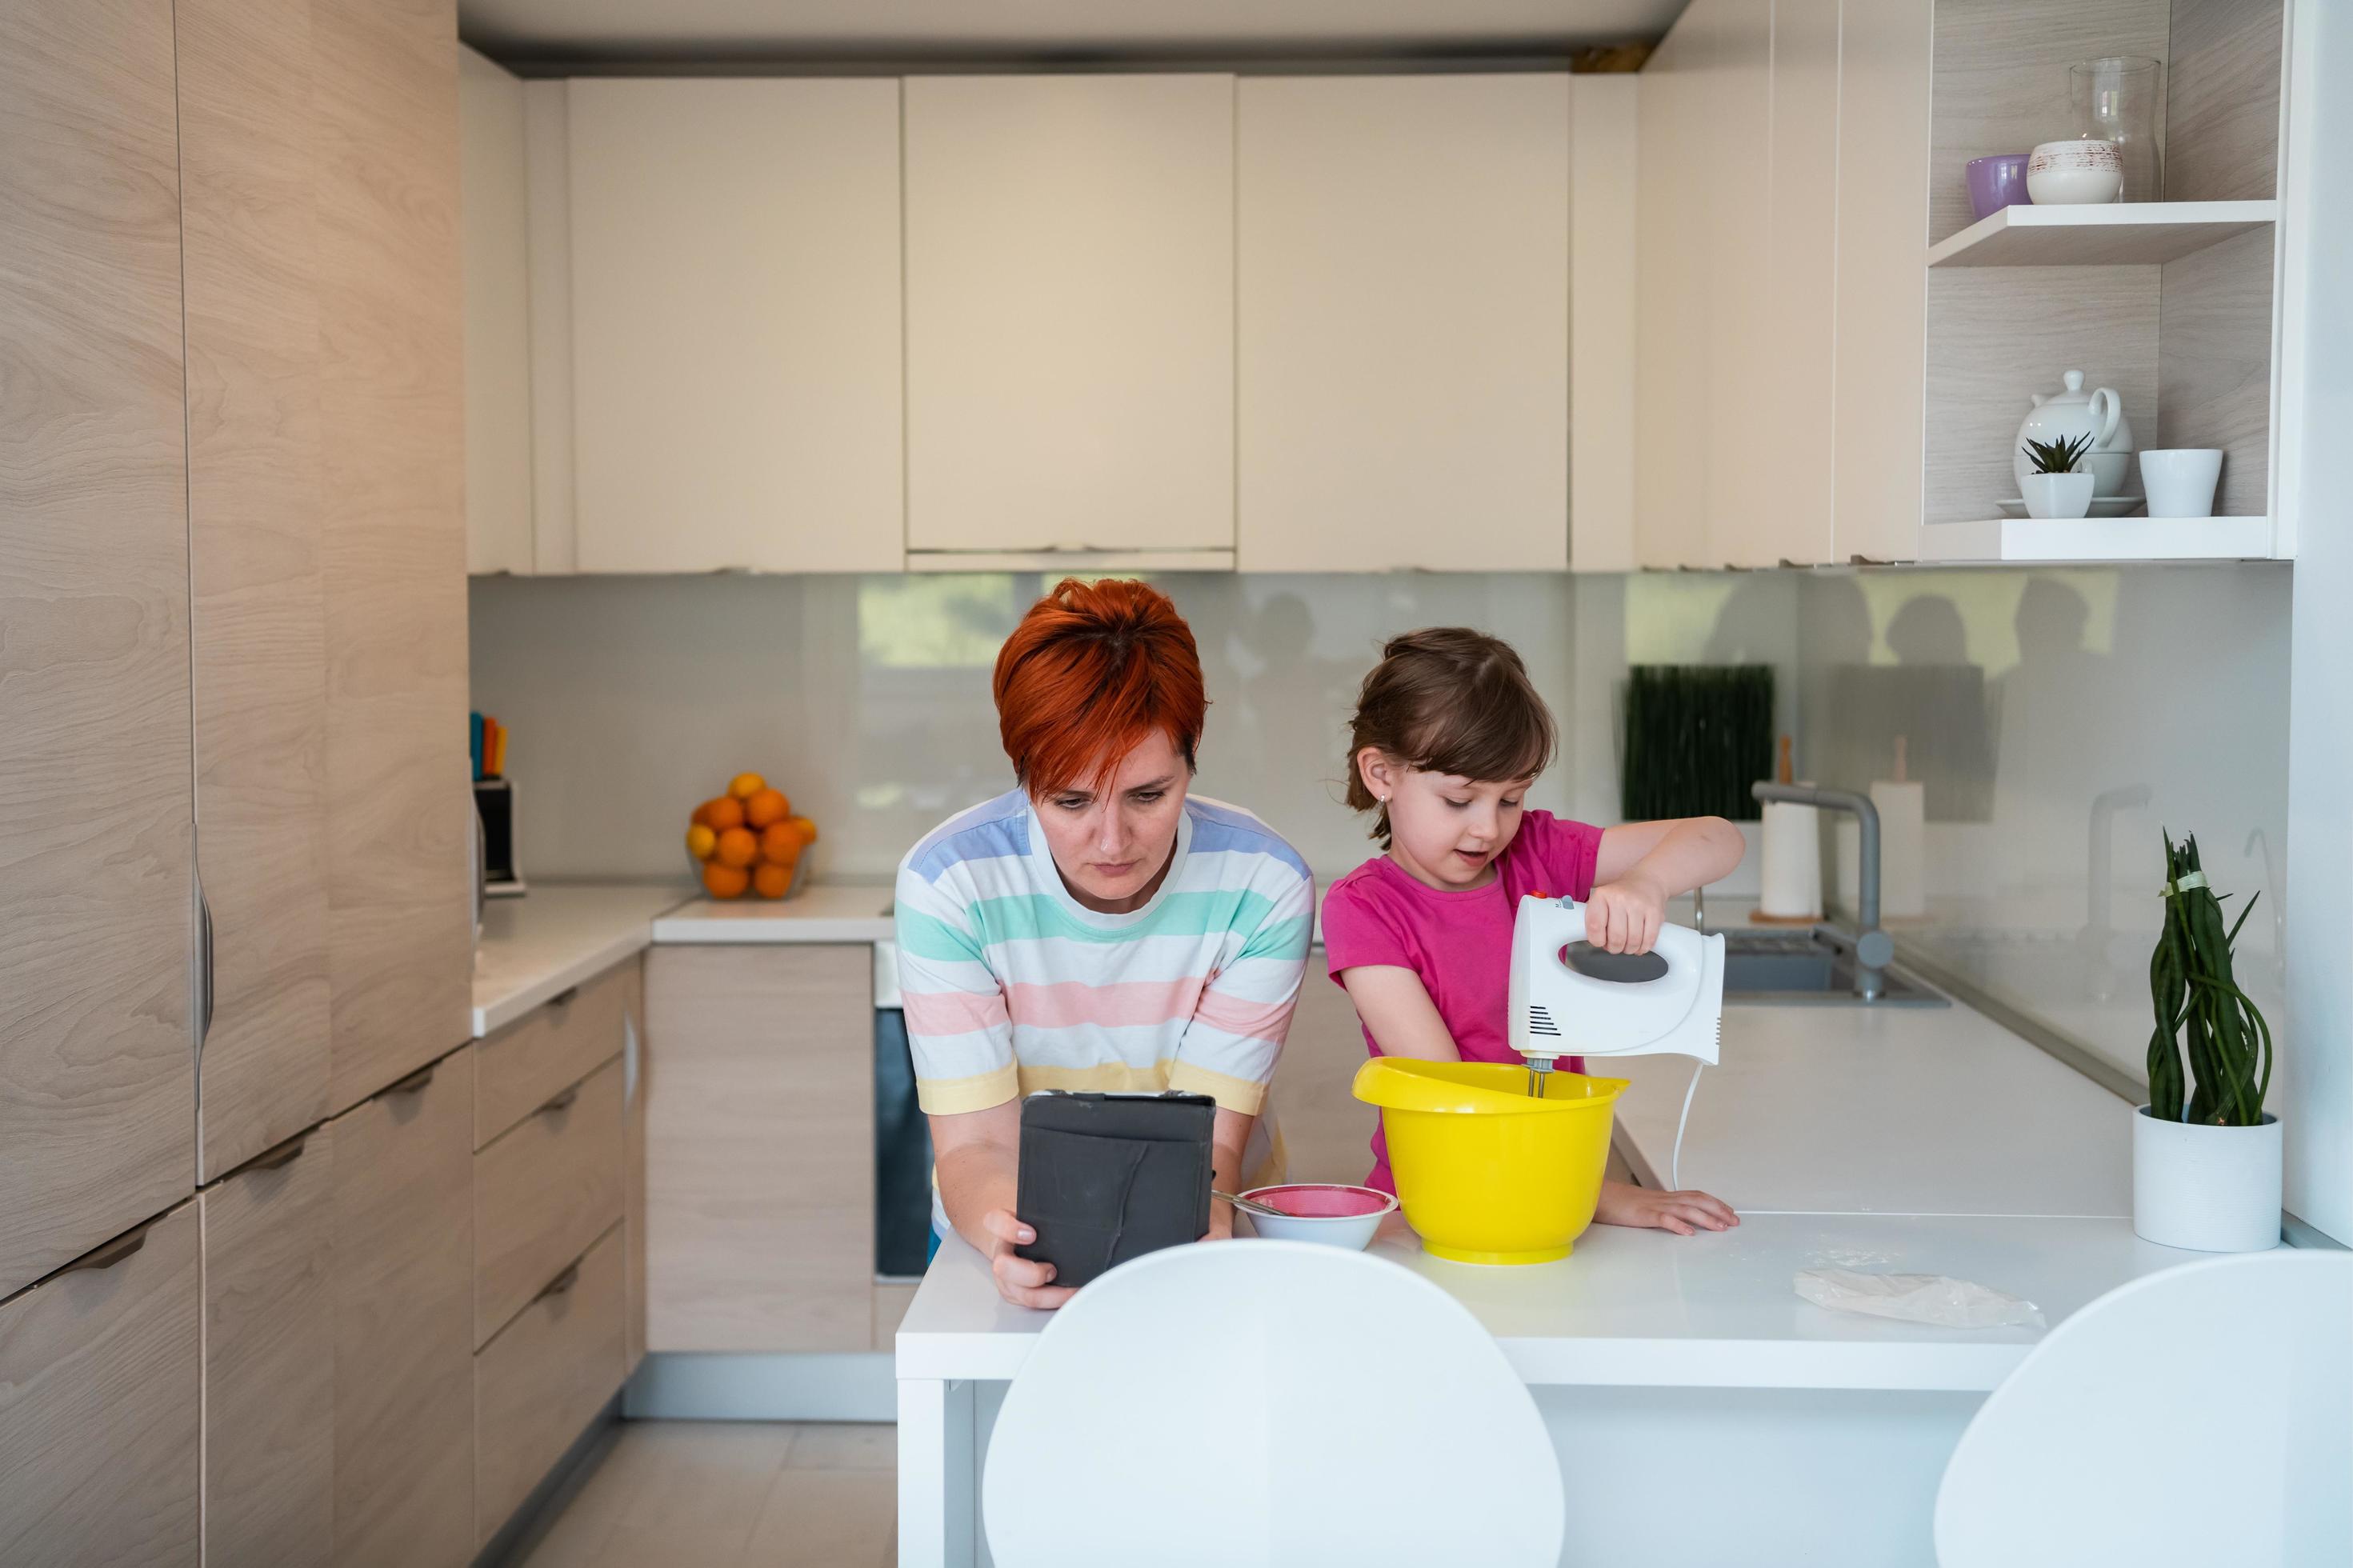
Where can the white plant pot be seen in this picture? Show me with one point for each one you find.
(2209, 1189)
(2056, 495)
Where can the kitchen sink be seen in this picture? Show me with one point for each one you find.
(1799, 968)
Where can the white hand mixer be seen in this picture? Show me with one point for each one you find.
(1570, 998)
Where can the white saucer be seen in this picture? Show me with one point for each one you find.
(2102, 506)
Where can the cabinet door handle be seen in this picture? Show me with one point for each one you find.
(203, 966)
(414, 1081)
(112, 1252)
(561, 1102)
(565, 997)
(285, 1155)
(560, 1284)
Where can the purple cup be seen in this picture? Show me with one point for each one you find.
(1996, 183)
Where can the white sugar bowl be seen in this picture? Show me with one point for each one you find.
(2065, 416)
(2076, 172)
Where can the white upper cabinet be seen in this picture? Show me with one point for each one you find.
(493, 226)
(1070, 313)
(735, 324)
(1404, 348)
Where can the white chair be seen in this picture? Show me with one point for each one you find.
(2202, 1415)
(1243, 1402)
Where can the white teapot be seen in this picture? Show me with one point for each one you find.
(2063, 416)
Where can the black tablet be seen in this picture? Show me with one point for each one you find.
(1107, 1177)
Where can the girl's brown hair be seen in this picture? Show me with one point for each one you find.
(1447, 699)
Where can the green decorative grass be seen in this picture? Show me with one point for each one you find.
(1696, 736)
(2210, 1057)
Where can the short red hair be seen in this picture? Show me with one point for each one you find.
(1092, 669)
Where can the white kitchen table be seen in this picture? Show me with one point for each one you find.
(1704, 1414)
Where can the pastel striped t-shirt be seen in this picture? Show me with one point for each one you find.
(1011, 985)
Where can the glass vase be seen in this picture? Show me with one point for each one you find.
(2116, 100)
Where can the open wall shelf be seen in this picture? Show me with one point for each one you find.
(2113, 235)
(2047, 541)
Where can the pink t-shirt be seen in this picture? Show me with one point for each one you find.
(1458, 942)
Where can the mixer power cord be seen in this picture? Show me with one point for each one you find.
(1675, 1160)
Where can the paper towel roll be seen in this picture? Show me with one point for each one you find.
(1902, 825)
(1792, 862)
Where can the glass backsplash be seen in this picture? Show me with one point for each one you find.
(2047, 712)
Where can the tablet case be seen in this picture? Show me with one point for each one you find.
(1107, 1177)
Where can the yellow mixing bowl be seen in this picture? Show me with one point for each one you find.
(1486, 1171)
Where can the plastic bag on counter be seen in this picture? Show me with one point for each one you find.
(1934, 1298)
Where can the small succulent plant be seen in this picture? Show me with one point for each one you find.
(2057, 456)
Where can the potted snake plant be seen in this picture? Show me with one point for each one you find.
(2206, 1154)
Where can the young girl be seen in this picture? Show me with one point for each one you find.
(1449, 734)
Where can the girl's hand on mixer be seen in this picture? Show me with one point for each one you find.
(1624, 916)
(1683, 1212)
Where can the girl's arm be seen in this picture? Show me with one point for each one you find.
(1397, 1012)
(1641, 864)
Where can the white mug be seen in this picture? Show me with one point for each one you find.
(2181, 480)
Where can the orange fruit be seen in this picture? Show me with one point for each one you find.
(738, 846)
(721, 814)
(701, 841)
(726, 881)
(804, 827)
(766, 807)
(772, 882)
(745, 785)
(780, 843)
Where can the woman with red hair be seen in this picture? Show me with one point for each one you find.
(1098, 926)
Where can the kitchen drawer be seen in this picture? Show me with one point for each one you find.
(270, 1357)
(531, 1061)
(403, 1219)
(101, 1404)
(543, 1377)
(542, 1192)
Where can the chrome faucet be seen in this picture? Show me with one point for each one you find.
(1873, 948)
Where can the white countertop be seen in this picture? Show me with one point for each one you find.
(1890, 1111)
(827, 912)
(1643, 1307)
(552, 938)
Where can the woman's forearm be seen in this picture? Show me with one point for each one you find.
(975, 1158)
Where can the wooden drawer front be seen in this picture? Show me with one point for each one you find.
(100, 1401)
(270, 1358)
(541, 1380)
(760, 1148)
(633, 1139)
(529, 1062)
(542, 1192)
(404, 1324)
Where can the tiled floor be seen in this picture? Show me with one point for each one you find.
(721, 1494)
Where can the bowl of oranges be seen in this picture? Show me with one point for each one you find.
(749, 841)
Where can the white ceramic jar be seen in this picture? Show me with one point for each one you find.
(2076, 172)
(2063, 416)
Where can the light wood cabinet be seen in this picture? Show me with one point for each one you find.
(735, 324)
(260, 642)
(98, 1116)
(1604, 296)
(495, 226)
(634, 1060)
(404, 1312)
(1403, 337)
(270, 1358)
(543, 1378)
(542, 1192)
(523, 1066)
(1070, 309)
(391, 436)
(760, 1148)
(99, 1405)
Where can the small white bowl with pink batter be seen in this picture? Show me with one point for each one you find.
(1328, 1212)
